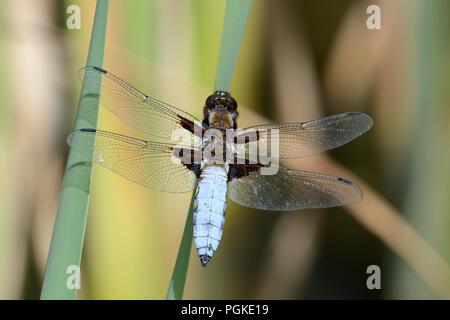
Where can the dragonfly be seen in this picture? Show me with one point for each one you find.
(229, 163)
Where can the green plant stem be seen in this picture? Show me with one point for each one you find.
(430, 173)
(176, 285)
(69, 229)
(236, 15)
(234, 25)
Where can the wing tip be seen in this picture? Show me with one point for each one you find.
(345, 180)
(364, 117)
(87, 130)
(353, 113)
(73, 133)
(100, 69)
(358, 193)
(83, 70)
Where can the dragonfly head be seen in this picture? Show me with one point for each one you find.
(220, 110)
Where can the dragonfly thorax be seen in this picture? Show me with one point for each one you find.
(217, 146)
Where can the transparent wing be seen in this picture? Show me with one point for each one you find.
(148, 163)
(138, 110)
(292, 190)
(296, 140)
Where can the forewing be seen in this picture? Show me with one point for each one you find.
(292, 190)
(147, 163)
(296, 140)
(138, 110)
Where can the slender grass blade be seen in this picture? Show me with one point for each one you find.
(234, 25)
(61, 274)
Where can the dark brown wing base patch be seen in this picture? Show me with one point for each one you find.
(238, 170)
(191, 159)
(190, 125)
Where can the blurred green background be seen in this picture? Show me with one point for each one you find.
(299, 60)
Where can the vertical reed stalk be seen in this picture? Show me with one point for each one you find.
(68, 233)
(236, 15)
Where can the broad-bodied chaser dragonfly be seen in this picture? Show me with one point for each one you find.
(227, 162)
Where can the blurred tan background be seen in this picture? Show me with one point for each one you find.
(299, 60)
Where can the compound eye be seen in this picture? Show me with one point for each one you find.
(231, 105)
(209, 102)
